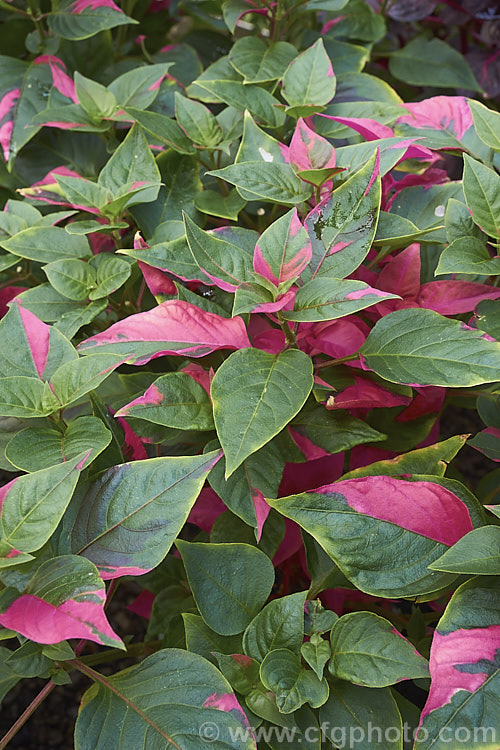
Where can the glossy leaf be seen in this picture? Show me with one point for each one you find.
(268, 181)
(275, 388)
(280, 624)
(477, 553)
(482, 195)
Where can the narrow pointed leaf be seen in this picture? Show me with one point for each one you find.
(476, 553)
(81, 19)
(309, 78)
(283, 250)
(268, 181)
(46, 244)
(259, 62)
(74, 379)
(482, 195)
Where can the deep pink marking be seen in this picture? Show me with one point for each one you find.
(284, 302)
(82, 5)
(262, 267)
(5, 138)
(199, 375)
(308, 448)
(38, 337)
(226, 702)
(375, 173)
(157, 280)
(107, 572)
(451, 650)
(143, 604)
(81, 464)
(369, 292)
(340, 245)
(261, 508)
(8, 102)
(156, 85)
(422, 507)
(152, 397)
(133, 448)
(13, 553)
(138, 184)
(242, 660)
(61, 80)
(310, 151)
(63, 125)
(4, 491)
(364, 394)
(371, 130)
(42, 622)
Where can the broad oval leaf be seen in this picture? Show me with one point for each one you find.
(421, 347)
(166, 701)
(368, 650)
(47, 244)
(267, 181)
(279, 625)
(365, 523)
(130, 516)
(255, 394)
(230, 582)
(282, 672)
(64, 599)
(309, 79)
(476, 553)
(259, 62)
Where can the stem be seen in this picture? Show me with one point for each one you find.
(291, 339)
(34, 12)
(339, 361)
(141, 294)
(44, 692)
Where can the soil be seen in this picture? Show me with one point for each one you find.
(52, 725)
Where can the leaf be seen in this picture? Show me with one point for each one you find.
(316, 653)
(486, 123)
(223, 206)
(349, 711)
(410, 10)
(81, 19)
(259, 62)
(464, 667)
(222, 260)
(467, 255)
(369, 651)
(487, 441)
(39, 349)
(111, 273)
(279, 625)
(229, 582)
(432, 62)
(64, 599)
(420, 345)
(167, 699)
(33, 505)
(282, 672)
(482, 195)
(74, 379)
(240, 671)
(197, 122)
(129, 517)
(269, 181)
(202, 640)
(71, 277)
(138, 87)
(333, 431)
(342, 227)
(26, 397)
(309, 80)
(163, 129)
(46, 244)
(396, 231)
(476, 553)
(80, 192)
(275, 388)
(36, 448)
(326, 298)
(94, 97)
(173, 400)
(282, 251)
(411, 521)
(173, 327)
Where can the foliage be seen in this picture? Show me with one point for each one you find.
(249, 256)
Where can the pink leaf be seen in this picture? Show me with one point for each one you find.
(454, 297)
(227, 702)
(6, 295)
(152, 396)
(451, 113)
(336, 338)
(308, 150)
(80, 5)
(8, 105)
(261, 508)
(365, 394)
(207, 508)
(157, 281)
(371, 130)
(48, 190)
(143, 604)
(425, 508)
(133, 448)
(283, 250)
(37, 338)
(200, 375)
(174, 327)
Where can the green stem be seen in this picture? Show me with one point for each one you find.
(34, 12)
(339, 361)
(291, 339)
(21, 721)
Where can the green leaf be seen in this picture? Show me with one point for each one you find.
(197, 122)
(255, 394)
(139, 86)
(94, 97)
(482, 195)
(71, 277)
(36, 448)
(204, 641)
(432, 62)
(279, 625)
(468, 255)
(74, 379)
(327, 298)
(132, 163)
(167, 699)
(367, 650)
(26, 397)
(486, 123)
(259, 62)
(223, 206)
(309, 80)
(65, 22)
(173, 400)
(81, 193)
(421, 346)
(316, 652)
(350, 711)
(487, 315)
(130, 516)
(164, 129)
(240, 671)
(459, 222)
(71, 321)
(334, 431)
(282, 672)
(397, 232)
(47, 244)
(230, 582)
(476, 553)
(276, 183)
(110, 274)
(33, 506)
